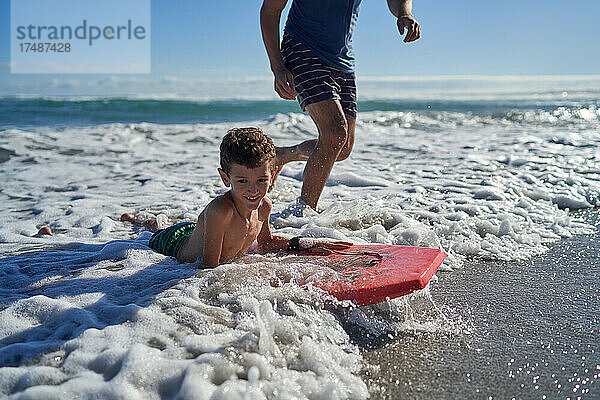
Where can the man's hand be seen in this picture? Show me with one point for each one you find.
(413, 29)
(284, 84)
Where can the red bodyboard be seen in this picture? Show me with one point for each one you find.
(399, 270)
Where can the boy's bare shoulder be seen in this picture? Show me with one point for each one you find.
(221, 207)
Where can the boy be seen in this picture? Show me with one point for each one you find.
(231, 222)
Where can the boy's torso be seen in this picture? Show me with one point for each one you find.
(239, 235)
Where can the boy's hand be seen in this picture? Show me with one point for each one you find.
(284, 84)
(326, 248)
(335, 245)
(413, 29)
(321, 247)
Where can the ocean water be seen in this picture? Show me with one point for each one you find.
(494, 171)
(533, 331)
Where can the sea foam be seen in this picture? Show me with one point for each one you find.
(93, 312)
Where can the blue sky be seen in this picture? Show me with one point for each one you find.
(206, 39)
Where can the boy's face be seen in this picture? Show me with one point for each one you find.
(248, 185)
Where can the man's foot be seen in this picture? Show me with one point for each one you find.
(297, 209)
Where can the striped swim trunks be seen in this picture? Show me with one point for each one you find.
(316, 81)
(168, 241)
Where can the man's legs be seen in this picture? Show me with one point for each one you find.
(334, 144)
(334, 128)
(329, 97)
(303, 150)
(298, 152)
(349, 145)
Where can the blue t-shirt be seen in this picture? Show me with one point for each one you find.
(325, 27)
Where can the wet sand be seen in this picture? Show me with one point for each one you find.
(533, 332)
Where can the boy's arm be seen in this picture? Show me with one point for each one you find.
(402, 9)
(266, 241)
(270, 15)
(269, 243)
(218, 216)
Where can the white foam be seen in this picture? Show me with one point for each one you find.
(103, 315)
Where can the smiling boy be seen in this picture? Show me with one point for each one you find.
(230, 223)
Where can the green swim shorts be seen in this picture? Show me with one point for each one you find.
(168, 241)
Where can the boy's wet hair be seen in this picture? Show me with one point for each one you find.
(249, 147)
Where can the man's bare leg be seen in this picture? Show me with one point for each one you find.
(298, 152)
(349, 145)
(333, 135)
(284, 155)
(303, 150)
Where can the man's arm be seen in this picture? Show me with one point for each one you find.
(402, 9)
(270, 15)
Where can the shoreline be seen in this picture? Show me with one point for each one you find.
(534, 331)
